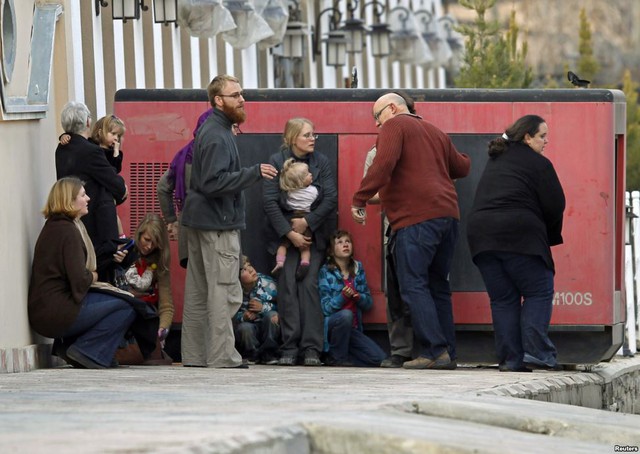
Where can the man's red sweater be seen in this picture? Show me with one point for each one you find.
(413, 170)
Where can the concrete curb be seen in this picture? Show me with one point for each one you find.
(614, 387)
(26, 359)
(535, 417)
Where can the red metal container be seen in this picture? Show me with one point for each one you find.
(586, 145)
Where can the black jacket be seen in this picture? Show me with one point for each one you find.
(87, 161)
(518, 206)
(322, 217)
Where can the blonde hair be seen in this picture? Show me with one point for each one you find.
(154, 226)
(104, 126)
(292, 130)
(62, 196)
(293, 174)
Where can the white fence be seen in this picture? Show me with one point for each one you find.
(632, 272)
(108, 55)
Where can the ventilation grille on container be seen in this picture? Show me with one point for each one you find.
(143, 179)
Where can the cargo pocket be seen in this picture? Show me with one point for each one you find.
(228, 268)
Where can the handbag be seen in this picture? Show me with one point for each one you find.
(129, 355)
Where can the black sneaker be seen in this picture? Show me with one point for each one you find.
(268, 360)
(394, 361)
(333, 362)
(287, 360)
(532, 366)
(311, 358)
(79, 359)
(271, 362)
(505, 368)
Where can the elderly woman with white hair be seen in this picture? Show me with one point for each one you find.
(85, 160)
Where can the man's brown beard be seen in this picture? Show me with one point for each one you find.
(234, 114)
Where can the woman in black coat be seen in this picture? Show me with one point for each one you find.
(87, 161)
(515, 219)
(299, 310)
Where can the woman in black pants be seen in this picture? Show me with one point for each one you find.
(516, 218)
(299, 308)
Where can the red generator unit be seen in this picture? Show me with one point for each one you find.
(586, 145)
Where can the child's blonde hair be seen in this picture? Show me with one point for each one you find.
(104, 126)
(293, 175)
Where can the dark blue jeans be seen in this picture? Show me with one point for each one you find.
(261, 339)
(100, 326)
(423, 255)
(521, 291)
(347, 343)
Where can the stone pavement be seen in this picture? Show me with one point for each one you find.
(319, 410)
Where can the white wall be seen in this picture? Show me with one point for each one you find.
(26, 174)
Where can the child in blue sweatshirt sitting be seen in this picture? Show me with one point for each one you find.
(256, 324)
(344, 294)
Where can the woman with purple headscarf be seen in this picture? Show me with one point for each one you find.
(173, 185)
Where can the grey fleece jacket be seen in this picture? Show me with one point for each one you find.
(215, 200)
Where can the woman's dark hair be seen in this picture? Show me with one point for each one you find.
(331, 261)
(408, 100)
(529, 124)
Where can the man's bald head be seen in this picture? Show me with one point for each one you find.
(388, 106)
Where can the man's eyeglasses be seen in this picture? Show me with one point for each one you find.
(235, 95)
(310, 136)
(376, 116)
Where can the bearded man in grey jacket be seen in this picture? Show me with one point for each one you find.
(214, 214)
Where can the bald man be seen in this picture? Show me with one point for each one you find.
(414, 172)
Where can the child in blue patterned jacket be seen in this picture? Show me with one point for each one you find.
(344, 294)
(256, 324)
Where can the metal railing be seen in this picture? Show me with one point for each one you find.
(632, 273)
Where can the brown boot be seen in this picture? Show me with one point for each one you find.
(441, 362)
(158, 357)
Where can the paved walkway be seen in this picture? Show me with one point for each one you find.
(302, 410)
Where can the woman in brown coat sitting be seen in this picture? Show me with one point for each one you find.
(61, 302)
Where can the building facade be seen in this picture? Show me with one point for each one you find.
(54, 51)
